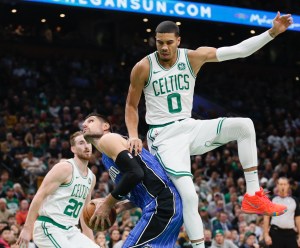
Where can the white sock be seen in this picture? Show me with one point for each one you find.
(198, 245)
(252, 183)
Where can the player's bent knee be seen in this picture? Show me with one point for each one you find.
(248, 127)
(245, 127)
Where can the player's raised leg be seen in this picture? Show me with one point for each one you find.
(242, 130)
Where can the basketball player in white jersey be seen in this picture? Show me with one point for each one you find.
(167, 78)
(57, 206)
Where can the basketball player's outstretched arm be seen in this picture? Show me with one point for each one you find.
(59, 174)
(115, 146)
(247, 47)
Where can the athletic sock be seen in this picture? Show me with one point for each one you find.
(252, 183)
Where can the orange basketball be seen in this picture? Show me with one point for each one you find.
(88, 212)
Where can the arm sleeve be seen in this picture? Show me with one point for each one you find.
(132, 174)
(245, 48)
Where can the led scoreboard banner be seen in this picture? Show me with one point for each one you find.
(192, 10)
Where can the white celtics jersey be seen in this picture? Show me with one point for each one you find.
(65, 205)
(169, 92)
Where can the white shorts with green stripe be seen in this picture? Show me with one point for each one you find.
(173, 144)
(46, 235)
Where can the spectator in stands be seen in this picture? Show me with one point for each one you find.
(5, 237)
(294, 171)
(9, 143)
(12, 201)
(10, 120)
(249, 240)
(229, 207)
(207, 238)
(101, 240)
(37, 149)
(33, 167)
(19, 192)
(235, 237)
(205, 218)
(219, 240)
(5, 180)
(268, 169)
(123, 238)
(135, 215)
(222, 223)
(214, 205)
(214, 180)
(105, 179)
(19, 151)
(65, 150)
(30, 194)
(201, 187)
(53, 150)
(4, 212)
(114, 237)
(274, 140)
(21, 214)
(125, 221)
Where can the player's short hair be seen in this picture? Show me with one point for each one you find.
(73, 137)
(102, 118)
(168, 27)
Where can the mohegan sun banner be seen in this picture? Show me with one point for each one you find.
(182, 9)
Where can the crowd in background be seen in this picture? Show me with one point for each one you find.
(39, 112)
(44, 100)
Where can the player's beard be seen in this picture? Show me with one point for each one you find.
(84, 156)
(89, 137)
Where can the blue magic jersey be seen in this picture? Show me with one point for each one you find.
(158, 198)
(155, 178)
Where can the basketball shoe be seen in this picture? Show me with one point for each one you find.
(261, 204)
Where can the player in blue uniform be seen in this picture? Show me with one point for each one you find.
(141, 180)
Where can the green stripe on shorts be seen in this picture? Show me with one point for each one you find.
(53, 241)
(173, 172)
(220, 125)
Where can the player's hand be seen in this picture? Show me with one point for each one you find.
(268, 240)
(281, 23)
(24, 238)
(100, 216)
(136, 144)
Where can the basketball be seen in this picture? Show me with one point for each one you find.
(88, 212)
